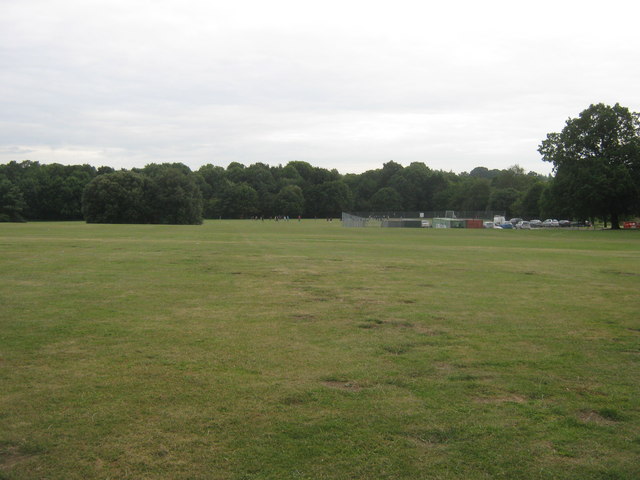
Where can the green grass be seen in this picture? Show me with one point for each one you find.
(263, 350)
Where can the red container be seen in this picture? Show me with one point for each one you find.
(474, 223)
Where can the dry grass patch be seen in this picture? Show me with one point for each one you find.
(344, 386)
(501, 399)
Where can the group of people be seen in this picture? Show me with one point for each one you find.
(284, 218)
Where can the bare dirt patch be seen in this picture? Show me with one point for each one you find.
(444, 367)
(10, 456)
(502, 399)
(399, 323)
(428, 331)
(622, 273)
(594, 417)
(29, 283)
(345, 386)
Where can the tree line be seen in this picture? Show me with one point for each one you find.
(596, 162)
(172, 193)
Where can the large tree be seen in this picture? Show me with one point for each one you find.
(119, 197)
(50, 192)
(596, 159)
(176, 198)
(11, 201)
(239, 201)
(504, 199)
(329, 199)
(289, 201)
(168, 195)
(386, 199)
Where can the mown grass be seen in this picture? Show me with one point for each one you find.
(263, 350)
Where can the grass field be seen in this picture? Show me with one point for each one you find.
(303, 350)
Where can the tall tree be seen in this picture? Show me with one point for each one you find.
(504, 199)
(596, 159)
(528, 206)
(289, 201)
(364, 186)
(477, 193)
(386, 199)
(177, 199)
(119, 197)
(50, 192)
(239, 201)
(11, 201)
(328, 199)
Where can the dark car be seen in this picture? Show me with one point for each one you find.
(581, 224)
(564, 223)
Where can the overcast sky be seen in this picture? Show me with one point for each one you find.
(339, 84)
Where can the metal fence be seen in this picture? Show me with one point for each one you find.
(353, 220)
(381, 218)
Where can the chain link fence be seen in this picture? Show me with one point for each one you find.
(411, 219)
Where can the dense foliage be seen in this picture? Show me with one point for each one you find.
(596, 162)
(11, 201)
(596, 159)
(158, 194)
(45, 192)
(119, 197)
(172, 193)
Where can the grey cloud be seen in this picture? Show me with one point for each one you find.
(349, 89)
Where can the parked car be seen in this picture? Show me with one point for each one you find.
(535, 223)
(564, 223)
(515, 221)
(586, 223)
(506, 225)
(523, 225)
(550, 222)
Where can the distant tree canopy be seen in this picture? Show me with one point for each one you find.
(11, 201)
(49, 192)
(119, 197)
(156, 194)
(176, 197)
(172, 193)
(596, 159)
